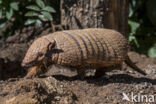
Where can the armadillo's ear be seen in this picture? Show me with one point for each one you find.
(51, 45)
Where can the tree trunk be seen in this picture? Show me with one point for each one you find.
(78, 14)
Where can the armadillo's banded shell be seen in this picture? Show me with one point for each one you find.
(99, 47)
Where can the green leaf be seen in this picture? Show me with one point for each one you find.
(38, 23)
(42, 18)
(31, 14)
(49, 9)
(1, 13)
(133, 39)
(30, 21)
(40, 3)
(134, 26)
(47, 15)
(2, 25)
(9, 14)
(130, 11)
(152, 52)
(14, 5)
(33, 7)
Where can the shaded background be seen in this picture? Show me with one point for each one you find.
(142, 23)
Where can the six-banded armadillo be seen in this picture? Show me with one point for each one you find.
(100, 49)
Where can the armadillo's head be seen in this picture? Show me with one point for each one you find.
(37, 52)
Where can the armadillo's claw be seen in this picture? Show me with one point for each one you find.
(29, 76)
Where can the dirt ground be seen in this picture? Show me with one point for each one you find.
(61, 86)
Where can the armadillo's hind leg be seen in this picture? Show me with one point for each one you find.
(81, 73)
(100, 72)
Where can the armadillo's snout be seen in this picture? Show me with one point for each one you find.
(23, 64)
(27, 64)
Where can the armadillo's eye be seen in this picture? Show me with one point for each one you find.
(40, 55)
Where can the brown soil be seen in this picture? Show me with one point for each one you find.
(61, 86)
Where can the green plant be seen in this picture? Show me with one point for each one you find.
(14, 14)
(132, 38)
(39, 13)
(7, 11)
(152, 51)
(142, 23)
(9, 14)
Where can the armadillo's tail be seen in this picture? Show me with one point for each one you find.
(133, 66)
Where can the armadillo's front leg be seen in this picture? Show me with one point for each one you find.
(100, 72)
(35, 71)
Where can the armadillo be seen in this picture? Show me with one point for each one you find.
(93, 48)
